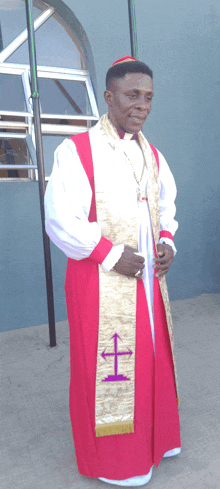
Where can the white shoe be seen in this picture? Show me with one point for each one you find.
(132, 481)
(173, 452)
(141, 479)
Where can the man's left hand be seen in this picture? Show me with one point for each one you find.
(164, 260)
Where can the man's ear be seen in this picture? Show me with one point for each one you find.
(108, 96)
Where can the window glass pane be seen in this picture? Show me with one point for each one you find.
(13, 152)
(50, 143)
(60, 49)
(12, 93)
(54, 47)
(13, 19)
(64, 97)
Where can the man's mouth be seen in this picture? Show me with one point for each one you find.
(138, 120)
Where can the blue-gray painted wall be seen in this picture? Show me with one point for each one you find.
(180, 41)
(22, 286)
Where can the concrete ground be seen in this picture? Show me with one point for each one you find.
(37, 449)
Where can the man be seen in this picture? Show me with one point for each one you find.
(110, 208)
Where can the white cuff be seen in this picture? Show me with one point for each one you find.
(169, 242)
(112, 258)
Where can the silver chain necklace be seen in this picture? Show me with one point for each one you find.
(141, 196)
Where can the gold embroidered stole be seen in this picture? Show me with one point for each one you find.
(117, 214)
(116, 206)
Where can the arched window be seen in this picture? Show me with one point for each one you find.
(67, 99)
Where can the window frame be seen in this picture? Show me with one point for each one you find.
(53, 73)
(47, 128)
(23, 121)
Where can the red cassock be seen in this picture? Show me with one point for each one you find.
(156, 418)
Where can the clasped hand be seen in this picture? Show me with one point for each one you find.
(130, 263)
(165, 259)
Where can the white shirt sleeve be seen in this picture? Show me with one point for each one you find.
(67, 205)
(166, 200)
(68, 200)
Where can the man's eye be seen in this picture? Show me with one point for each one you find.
(132, 95)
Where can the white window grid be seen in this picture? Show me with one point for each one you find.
(53, 74)
(27, 125)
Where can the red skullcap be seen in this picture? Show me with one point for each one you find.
(124, 59)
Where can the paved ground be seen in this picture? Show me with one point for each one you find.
(36, 442)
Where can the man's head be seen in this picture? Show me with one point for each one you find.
(129, 91)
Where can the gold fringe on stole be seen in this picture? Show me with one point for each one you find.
(119, 428)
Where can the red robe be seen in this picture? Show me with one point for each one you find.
(156, 419)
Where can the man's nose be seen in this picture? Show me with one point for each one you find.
(142, 104)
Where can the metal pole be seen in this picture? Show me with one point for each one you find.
(41, 174)
(1, 40)
(133, 31)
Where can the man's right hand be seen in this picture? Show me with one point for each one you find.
(130, 263)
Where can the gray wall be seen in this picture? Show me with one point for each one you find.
(182, 45)
(22, 285)
(180, 42)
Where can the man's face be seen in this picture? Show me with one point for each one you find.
(129, 101)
